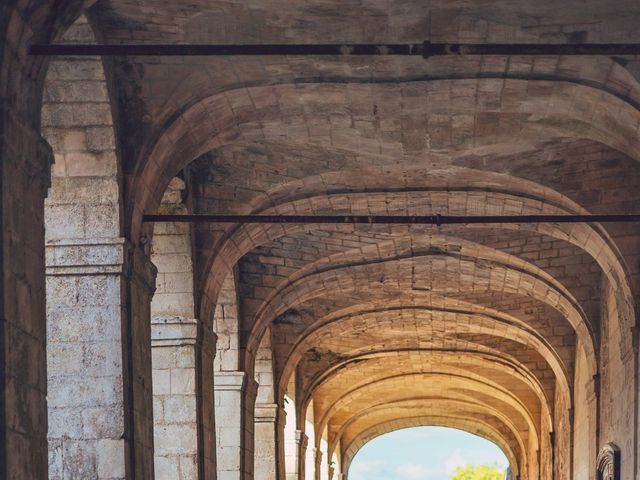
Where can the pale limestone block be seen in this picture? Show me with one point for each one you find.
(65, 422)
(65, 221)
(189, 468)
(229, 436)
(65, 358)
(101, 358)
(175, 439)
(228, 360)
(182, 380)
(161, 380)
(100, 221)
(172, 304)
(79, 459)
(55, 459)
(166, 468)
(180, 409)
(111, 458)
(103, 421)
(100, 138)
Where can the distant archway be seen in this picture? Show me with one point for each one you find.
(416, 450)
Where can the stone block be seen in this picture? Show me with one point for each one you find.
(86, 164)
(64, 423)
(175, 439)
(65, 221)
(161, 382)
(180, 409)
(79, 459)
(103, 422)
(183, 380)
(111, 458)
(100, 139)
(167, 468)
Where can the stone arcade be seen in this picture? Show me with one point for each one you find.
(140, 350)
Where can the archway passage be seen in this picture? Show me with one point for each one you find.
(525, 335)
(407, 451)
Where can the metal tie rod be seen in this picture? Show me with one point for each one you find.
(392, 219)
(425, 49)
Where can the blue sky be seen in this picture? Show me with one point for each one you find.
(422, 453)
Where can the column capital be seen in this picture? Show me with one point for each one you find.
(173, 331)
(235, 380)
(176, 331)
(301, 439)
(140, 268)
(268, 412)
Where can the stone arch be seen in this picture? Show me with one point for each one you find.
(310, 282)
(461, 379)
(529, 338)
(426, 403)
(487, 360)
(212, 123)
(528, 198)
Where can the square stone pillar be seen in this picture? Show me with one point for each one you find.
(25, 160)
(295, 464)
(176, 349)
(269, 421)
(235, 395)
(99, 360)
(317, 457)
(303, 441)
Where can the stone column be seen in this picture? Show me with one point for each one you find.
(317, 457)
(235, 399)
(99, 356)
(297, 446)
(303, 441)
(24, 176)
(140, 276)
(268, 420)
(175, 351)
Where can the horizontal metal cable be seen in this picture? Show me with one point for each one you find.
(425, 49)
(393, 219)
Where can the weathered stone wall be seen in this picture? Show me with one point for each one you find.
(24, 160)
(24, 177)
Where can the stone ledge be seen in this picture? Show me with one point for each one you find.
(175, 331)
(268, 412)
(85, 257)
(170, 331)
(229, 380)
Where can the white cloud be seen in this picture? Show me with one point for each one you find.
(366, 469)
(454, 461)
(414, 471)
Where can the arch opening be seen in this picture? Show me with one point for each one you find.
(427, 451)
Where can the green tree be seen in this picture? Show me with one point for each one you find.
(478, 472)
